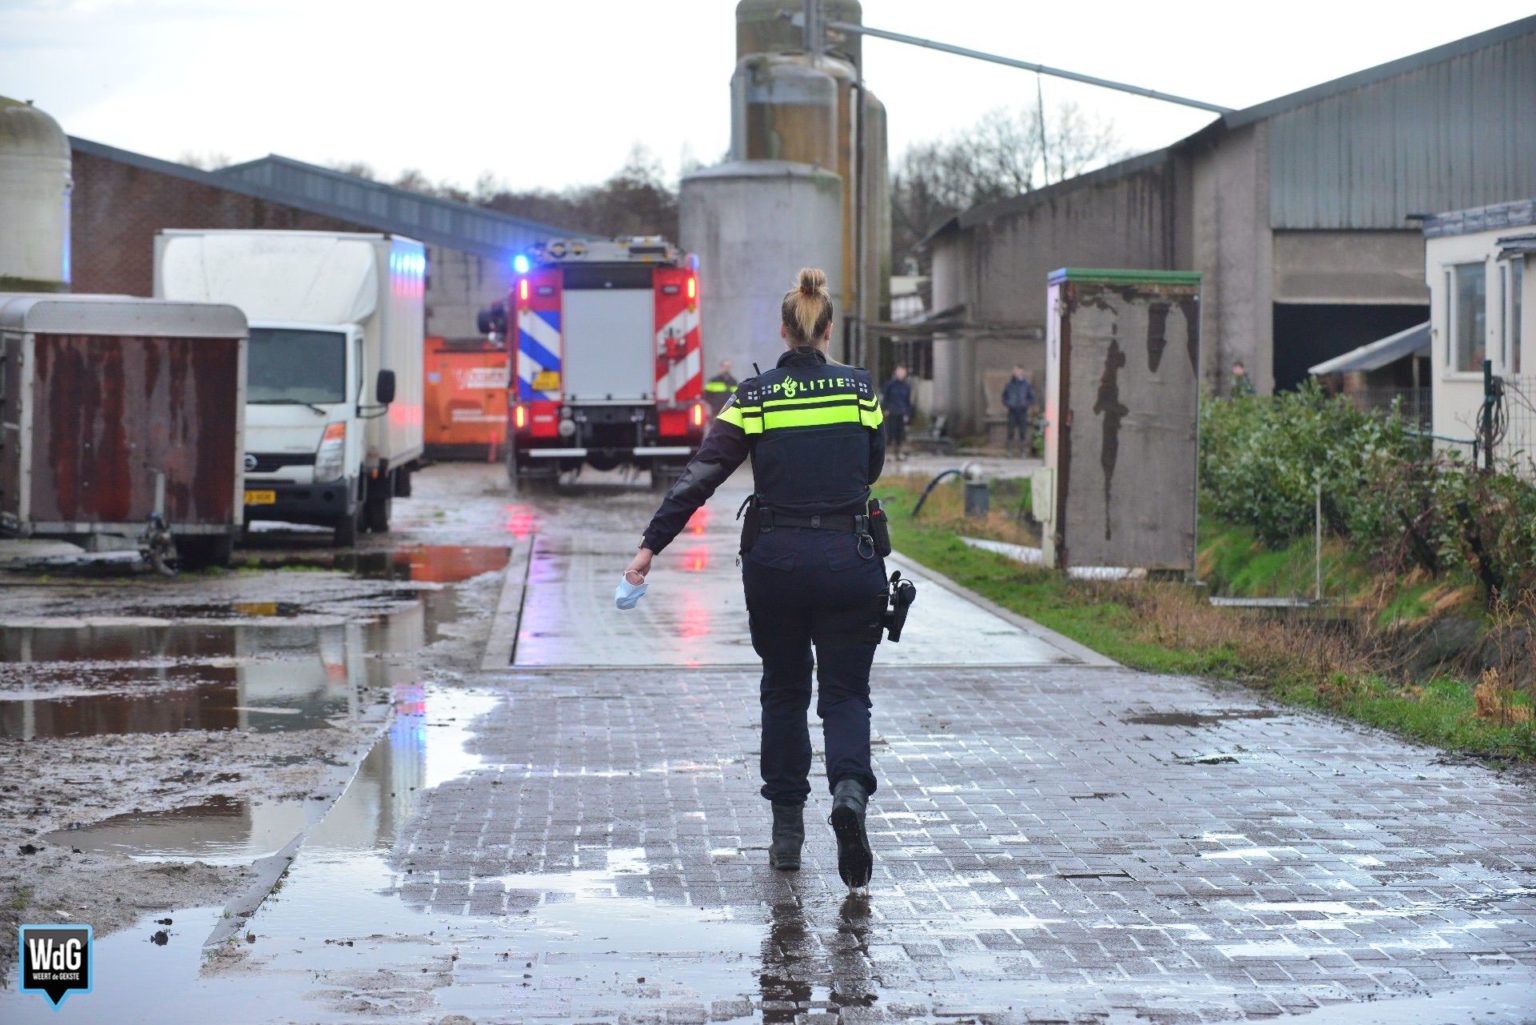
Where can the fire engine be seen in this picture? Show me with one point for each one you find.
(606, 366)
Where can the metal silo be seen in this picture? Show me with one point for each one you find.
(753, 225)
(876, 288)
(34, 200)
(783, 108)
(763, 26)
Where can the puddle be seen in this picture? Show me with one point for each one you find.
(424, 747)
(259, 666)
(1198, 719)
(433, 564)
(228, 704)
(221, 831)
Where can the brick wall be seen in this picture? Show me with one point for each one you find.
(117, 208)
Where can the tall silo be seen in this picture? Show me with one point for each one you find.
(773, 80)
(764, 26)
(782, 108)
(753, 225)
(34, 200)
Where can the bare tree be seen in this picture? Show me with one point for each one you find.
(205, 161)
(1005, 153)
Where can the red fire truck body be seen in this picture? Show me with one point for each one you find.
(607, 367)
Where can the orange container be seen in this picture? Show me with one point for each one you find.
(466, 398)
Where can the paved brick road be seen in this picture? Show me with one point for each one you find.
(1063, 844)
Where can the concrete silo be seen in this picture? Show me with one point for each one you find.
(782, 98)
(754, 224)
(34, 200)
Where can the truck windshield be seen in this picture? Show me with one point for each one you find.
(295, 365)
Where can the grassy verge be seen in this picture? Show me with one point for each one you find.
(1350, 668)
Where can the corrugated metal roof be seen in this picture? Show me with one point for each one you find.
(346, 197)
(442, 222)
(1412, 342)
(1446, 129)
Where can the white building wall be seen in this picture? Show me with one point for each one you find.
(1458, 393)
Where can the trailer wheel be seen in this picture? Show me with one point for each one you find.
(346, 531)
(195, 553)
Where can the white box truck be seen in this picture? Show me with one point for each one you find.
(333, 421)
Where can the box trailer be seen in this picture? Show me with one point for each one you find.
(110, 405)
(1122, 419)
(334, 424)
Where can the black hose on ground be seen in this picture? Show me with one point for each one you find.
(931, 485)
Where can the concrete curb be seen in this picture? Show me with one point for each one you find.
(1084, 655)
(501, 646)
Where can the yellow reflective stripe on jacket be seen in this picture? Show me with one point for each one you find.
(718, 386)
(871, 416)
(846, 413)
(731, 414)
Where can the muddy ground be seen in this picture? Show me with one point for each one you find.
(137, 711)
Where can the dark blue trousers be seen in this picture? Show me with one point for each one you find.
(813, 589)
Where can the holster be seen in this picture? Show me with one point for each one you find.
(879, 528)
(901, 596)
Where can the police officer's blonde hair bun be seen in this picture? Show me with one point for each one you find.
(807, 308)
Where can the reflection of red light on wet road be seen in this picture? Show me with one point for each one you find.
(521, 521)
(449, 564)
(695, 560)
(695, 621)
(699, 520)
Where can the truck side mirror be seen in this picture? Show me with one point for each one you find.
(384, 391)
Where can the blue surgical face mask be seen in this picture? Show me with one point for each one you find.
(627, 595)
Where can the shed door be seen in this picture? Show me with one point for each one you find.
(608, 339)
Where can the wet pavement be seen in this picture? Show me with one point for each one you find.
(573, 834)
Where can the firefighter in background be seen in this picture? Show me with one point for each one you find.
(719, 388)
(812, 578)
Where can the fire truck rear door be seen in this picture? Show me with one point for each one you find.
(609, 329)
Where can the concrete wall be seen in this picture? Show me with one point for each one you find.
(996, 259)
(1229, 215)
(459, 286)
(1376, 267)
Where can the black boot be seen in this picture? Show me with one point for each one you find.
(788, 836)
(855, 861)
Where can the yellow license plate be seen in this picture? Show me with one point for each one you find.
(546, 380)
(261, 498)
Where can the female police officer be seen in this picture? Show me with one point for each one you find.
(809, 566)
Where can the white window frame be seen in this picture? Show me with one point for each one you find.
(1452, 309)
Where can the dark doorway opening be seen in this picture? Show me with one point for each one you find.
(1307, 334)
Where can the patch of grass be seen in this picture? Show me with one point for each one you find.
(1168, 627)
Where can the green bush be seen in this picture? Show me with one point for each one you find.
(1261, 457)
(1384, 489)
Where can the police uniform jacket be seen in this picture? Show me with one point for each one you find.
(812, 430)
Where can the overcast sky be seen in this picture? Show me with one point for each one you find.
(556, 93)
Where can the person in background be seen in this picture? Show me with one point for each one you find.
(1019, 400)
(1242, 384)
(896, 403)
(720, 387)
